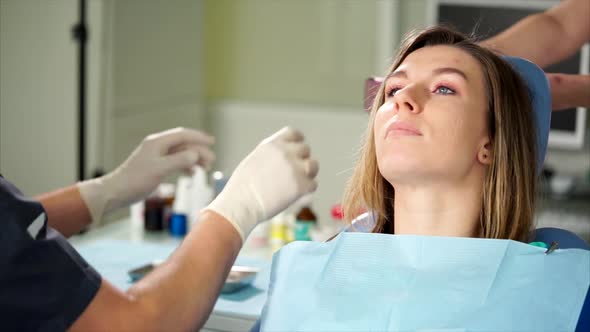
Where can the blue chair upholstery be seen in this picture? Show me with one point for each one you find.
(540, 94)
(566, 239)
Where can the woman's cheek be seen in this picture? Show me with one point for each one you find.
(384, 113)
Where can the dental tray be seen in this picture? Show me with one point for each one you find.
(238, 278)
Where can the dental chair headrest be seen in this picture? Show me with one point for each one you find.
(540, 93)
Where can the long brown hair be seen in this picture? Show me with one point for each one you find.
(508, 198)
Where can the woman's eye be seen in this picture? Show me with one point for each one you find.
(444, 90)
(392, 91)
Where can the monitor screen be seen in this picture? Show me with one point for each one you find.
(485, 19)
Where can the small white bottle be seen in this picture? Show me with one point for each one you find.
(202, 194)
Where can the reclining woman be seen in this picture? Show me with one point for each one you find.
(451, 145)
(450, 155)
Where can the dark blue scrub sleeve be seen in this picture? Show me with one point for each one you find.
(44, 283)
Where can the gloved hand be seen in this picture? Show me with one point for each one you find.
(157, 156)
(275, 174)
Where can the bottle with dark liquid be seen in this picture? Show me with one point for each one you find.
(304, 221)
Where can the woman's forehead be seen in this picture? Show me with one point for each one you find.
(430, 58)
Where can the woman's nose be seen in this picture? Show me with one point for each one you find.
(407, 100)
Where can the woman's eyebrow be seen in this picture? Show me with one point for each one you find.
(450, 70)
(438, 71)
(397, 73)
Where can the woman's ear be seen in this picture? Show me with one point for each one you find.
(484, 155)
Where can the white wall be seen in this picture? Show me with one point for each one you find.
(144, 75)
(38, 94)
(334, 136)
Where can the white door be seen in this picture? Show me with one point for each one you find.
(38, 92)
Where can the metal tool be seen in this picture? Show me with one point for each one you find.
(552, 247)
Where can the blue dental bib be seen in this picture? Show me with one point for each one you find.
(380, 282)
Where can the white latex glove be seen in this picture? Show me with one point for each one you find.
(274, 175)
(157, 156)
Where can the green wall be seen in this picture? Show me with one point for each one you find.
(412, 15)
(316, 52)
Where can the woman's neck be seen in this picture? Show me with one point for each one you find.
(441, 209)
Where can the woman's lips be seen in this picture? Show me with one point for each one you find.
(402, 128)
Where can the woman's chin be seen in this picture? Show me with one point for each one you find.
(401, 169)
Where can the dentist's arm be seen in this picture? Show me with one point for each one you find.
(66, 210)
(179, 295)
(550, 37)
(547, 37)
(569, 91)
(72, 209)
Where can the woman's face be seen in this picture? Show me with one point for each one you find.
(432, 125)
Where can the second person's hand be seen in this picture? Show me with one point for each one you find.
(158, 156)
(273, 176)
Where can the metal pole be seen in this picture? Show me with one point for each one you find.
(81, 35)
